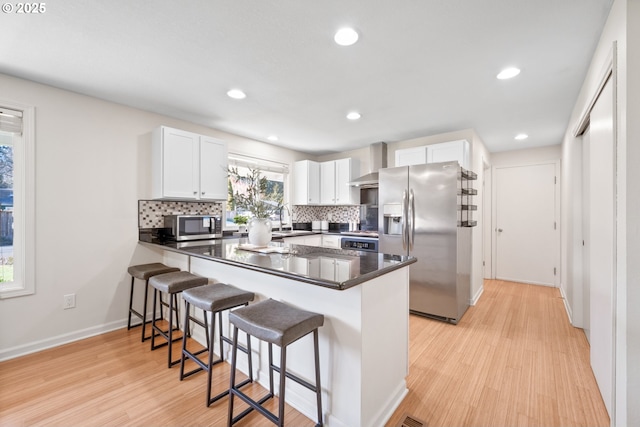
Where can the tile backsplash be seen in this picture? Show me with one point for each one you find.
(151, 212)
(303, 213)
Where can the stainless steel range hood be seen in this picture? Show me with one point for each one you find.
(377, 161)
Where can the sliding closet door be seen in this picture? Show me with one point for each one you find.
(601, 245)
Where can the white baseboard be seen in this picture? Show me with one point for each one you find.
(477, 296)
(567, 307)
(36, 346)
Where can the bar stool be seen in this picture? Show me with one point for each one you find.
(279, 324)
(214, 298)
(144, 272)
(171, 284)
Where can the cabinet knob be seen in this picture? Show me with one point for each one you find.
(195, 193)
(499, 230)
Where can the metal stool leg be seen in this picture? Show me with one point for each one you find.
(130, 304)
(283, 376)
(318, 387)
(232, 380)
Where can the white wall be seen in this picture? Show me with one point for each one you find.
(92, 165)
(526, 156)
(622, 27)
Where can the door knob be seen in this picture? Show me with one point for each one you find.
(500, 230)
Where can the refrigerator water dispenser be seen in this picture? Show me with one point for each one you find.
(392, 219)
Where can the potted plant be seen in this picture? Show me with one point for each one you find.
(250, 193)
(242, 221)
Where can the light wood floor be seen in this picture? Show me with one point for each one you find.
(513, 360)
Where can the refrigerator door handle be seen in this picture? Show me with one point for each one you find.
(404, 219)
(412, 219)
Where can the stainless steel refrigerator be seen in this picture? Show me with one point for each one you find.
(424, 212)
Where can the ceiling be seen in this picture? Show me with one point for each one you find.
(420, 67)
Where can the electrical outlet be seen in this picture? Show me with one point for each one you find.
(69, 301)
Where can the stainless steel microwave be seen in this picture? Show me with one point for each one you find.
(194, 227)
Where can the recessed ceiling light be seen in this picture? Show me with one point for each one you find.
(346, 36)
(354, 115)
(236, 94)
(272, 138)
(508, 73)
(521, 136)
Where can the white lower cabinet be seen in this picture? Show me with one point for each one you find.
(331, 241)
(338, 270)
(310, 240)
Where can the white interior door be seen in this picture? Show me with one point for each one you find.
(601, 235)
(526, 233)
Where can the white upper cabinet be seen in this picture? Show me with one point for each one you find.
(188, 166)
(306, 187)
(411, 156)
(435, 153)
(213, 169)
(335, 176)
(450, 151)
(328, 183)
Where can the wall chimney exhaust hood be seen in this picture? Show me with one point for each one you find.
(377, 161)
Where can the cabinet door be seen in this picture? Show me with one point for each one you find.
(179, 157)
(327, 268)
(314, 240)
(450, 151)
(343, 270)
(346, 171)
(328, 183)
(213, 169)
(306, 188)
(411, 156)
(329, 241)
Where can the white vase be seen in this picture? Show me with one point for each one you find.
(259, 231)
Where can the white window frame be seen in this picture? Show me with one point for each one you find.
(237, 159)
(24, 282)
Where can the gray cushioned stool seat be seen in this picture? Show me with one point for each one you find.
(275, 322)
(178, 281)
(144, 272)
(216, 297)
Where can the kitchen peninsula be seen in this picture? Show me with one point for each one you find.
(364, 298)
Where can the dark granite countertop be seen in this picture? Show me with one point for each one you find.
(332, 268)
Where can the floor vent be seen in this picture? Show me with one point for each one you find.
(411, 421)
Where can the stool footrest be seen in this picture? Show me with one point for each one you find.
(226, 392)
(253, 404)
(202, 366)
(297, 379)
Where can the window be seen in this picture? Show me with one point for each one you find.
(17, 200)
(275, 194)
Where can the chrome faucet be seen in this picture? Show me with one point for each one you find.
(284, 206)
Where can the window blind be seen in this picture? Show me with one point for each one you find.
(10, 121)
(253, 162)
